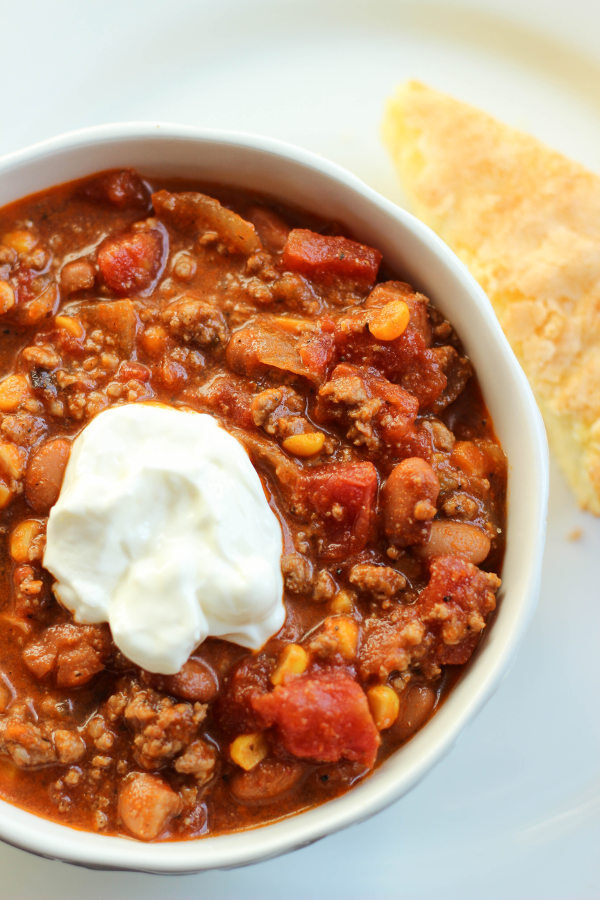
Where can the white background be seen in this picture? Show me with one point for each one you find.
(514, 810)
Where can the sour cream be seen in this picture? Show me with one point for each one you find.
(162, 529)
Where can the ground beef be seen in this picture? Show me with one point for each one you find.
(382, 582)
(196, 320)
(162, 728)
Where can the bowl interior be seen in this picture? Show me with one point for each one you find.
(415, 253)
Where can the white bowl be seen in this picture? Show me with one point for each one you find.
(413, 251)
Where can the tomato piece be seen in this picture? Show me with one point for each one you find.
(131, 263)
(343, 497)
(316, 352)
(320, 255)
(322, 716)
(229, 397)
(405, 361)
(454, 606)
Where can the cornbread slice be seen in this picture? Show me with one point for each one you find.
(526, 221)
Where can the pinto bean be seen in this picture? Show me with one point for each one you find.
(449, 538)
(146, 805)
(195, 681)
(409, 498)
(267, 780)
(45, 472)
(77, 275)
(416, 705)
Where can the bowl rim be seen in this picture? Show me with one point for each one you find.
(53, 840)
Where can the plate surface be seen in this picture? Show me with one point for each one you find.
(514, 809)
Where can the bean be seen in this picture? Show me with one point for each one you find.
(416, 705)
(409, 498)
(265, 781)
(44, 475)
(450, 538)
(77, 275)
(195, 681)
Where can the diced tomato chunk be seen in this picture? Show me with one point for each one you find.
(230, 397)
(319, 255)
(316, 352)
(406, 361)
(454, 606)
(322, 716)
(129, 370)
(343, 497)
(131, 263)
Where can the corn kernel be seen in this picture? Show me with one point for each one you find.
(390, 321)
(345, 631)
(384, 705)
(13, 391)
(154, 340)
(12, 460)
(5, 494)
(7, 297)
(247, 750)
(293, 661)
(20, 240)
(343, 602)
(70, 324)
(308, 444)
(22, 546)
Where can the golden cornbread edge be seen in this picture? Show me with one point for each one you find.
(526, 222)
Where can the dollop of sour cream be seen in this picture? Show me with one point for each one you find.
(162, 529)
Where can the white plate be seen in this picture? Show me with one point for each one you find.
(514, 810)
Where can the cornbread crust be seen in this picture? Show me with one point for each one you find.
(526, 221)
